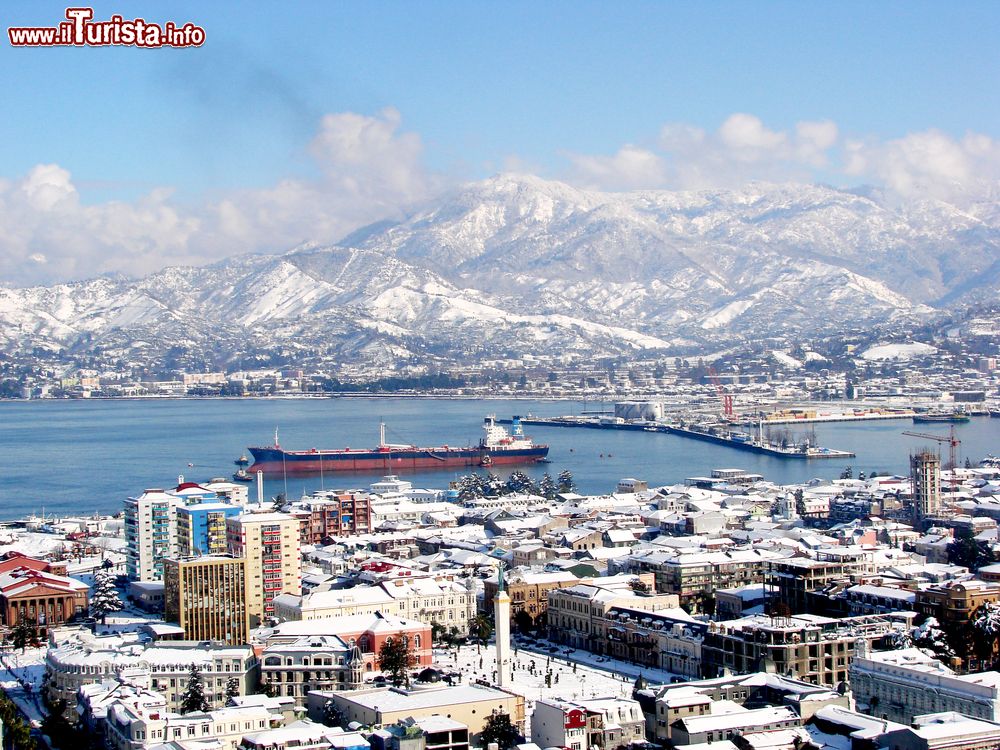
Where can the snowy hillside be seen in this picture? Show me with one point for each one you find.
(518, 264)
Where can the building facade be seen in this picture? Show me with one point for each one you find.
(900, 685)
(814, 649)
(207, 596)
(318, 662)
(77, 657)
(270, 544)
(39, 598)
(201, 529)
(150, 533)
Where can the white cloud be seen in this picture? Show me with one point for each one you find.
(369, 171)
(631, 167)
(929, 164)
(745, 136)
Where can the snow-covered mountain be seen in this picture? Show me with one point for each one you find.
(517, 264)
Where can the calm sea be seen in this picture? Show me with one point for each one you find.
(72, 457)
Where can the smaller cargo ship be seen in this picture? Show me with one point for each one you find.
(941, 416)
(497, 447)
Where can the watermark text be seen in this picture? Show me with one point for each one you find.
(81, 30)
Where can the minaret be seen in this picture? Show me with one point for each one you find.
(501, 616)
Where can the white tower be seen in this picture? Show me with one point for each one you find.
(501, 616)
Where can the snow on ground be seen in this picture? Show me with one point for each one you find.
(21, 679)
(31, 543)
(727, 314)
(786, 359)
(898, 351)
(128, 620)
(590, 680)
(78, 566)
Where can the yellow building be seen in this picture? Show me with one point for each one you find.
(470, 704)
(207, 596)
(270, 544)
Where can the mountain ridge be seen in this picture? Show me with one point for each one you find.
(516, 264)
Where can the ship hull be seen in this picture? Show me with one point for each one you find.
(277, 461)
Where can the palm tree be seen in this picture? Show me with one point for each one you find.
(481, 627)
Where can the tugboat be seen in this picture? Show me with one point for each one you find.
(241, 474)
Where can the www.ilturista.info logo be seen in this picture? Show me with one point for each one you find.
(80, 30)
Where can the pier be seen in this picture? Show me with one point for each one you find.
(749, 445)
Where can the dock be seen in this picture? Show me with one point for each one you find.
(748, 445)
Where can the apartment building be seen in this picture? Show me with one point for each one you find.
(270, 544)
(132, 724)
(607, 617)
(528, 590)
(331, 514)
(953, 603)
(201, 529)
(150, 533)
(695, 575)
(811, 648)
(794, 579)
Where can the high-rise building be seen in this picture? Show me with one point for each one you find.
(201, 529)
(925, 470)
(150, 533)
(270, 544)
(207, 596)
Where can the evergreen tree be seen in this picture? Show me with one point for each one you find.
(471, 486)
(23, 634)
(970, 552)
(547, 487)
(16, 733)
(395, 657)
(986, 630)
(519, 482)
(800, 502)
(57, 727)
(931, 637)
(232, 688)
(333, 716)
(499, 729)
(267, 687)
(105, 598)
(565, 481)
(193, 698)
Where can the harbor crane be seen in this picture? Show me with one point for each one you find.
(725, 398)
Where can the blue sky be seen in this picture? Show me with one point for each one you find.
(472, 88)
